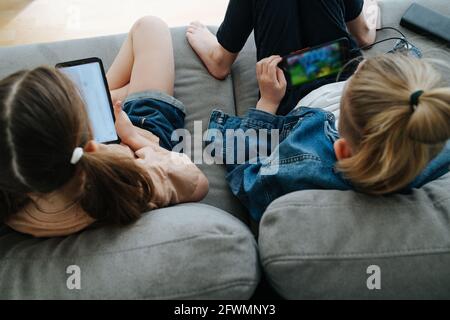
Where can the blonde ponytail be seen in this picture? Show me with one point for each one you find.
(393, 140)
(430, 122)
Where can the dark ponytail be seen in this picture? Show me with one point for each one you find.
(42, 120)
(116, 189)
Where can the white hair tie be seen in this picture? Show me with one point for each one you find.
(76, 155)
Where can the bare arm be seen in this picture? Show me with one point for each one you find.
(176, 179)
(363, 28)
(202, 189)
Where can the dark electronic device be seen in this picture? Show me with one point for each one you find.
(426, 21)
(89, 77)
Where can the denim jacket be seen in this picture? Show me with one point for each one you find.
(303, 160)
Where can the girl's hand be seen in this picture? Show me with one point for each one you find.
(133, 137)
(125, 129)
(272, 84)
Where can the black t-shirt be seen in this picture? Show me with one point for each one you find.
(352, 9)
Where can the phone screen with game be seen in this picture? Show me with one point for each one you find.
(315, 63)
(89, 77)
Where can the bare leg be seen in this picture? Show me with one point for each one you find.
(145, 61)
(154, 66)
(119, 74)
(216, 58)
(120, 94)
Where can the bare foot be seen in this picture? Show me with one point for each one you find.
(217, 60)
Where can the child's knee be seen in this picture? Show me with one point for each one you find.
(149, 23)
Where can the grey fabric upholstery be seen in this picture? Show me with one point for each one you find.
(318, 245)
(201, 94)
(244, 78)
(185, 252)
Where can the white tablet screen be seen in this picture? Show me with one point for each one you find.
(89, 80)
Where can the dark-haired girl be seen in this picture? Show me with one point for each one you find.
(55, 180)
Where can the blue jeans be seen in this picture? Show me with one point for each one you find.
(158, 113)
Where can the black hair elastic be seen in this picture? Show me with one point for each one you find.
(414, 99)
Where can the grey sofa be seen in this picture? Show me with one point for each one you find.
(312, 245)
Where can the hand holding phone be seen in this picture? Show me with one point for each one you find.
(272, 84)
(125, 129)
(133, 137)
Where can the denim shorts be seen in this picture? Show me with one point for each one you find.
(158, 113)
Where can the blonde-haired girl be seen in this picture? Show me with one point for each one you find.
(393, 132)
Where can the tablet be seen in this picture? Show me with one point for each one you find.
(90, 79)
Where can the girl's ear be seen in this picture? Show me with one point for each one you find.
(342, 149)
(360, 66)
(91, 146)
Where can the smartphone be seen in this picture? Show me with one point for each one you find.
(311, 64)
(89, 77)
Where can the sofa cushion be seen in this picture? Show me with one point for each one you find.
(194, 87)
(392, 12)
(243, 74)
(201, 93)
(185, 252)
(320, 244)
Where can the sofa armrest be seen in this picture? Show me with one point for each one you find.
(320, 244)
(189, 251)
